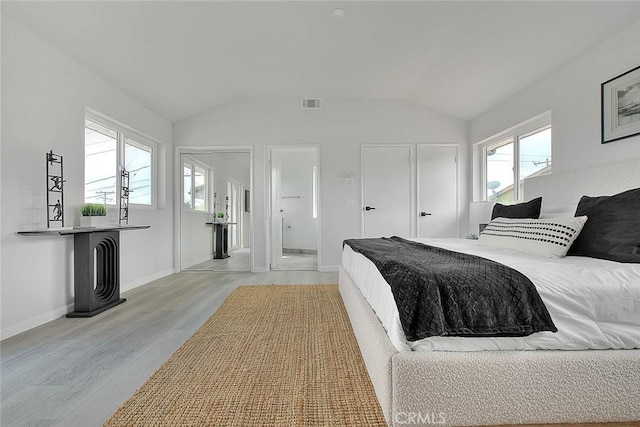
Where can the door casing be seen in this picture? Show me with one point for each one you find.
(177, 217)
(269, 197)
(414, 183)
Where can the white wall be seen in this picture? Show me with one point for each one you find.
(196, 238)
(44, 94)
(300, 229)
(339, 128)
(572, 94)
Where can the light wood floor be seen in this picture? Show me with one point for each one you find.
(300, 262)
(240, 260)
(76, 372)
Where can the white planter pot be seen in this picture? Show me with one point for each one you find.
(93, 221)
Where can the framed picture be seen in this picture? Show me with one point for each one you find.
(620, 99)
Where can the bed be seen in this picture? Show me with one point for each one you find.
(511, 380)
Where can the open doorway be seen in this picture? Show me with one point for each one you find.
(293, 188)
(215, 224)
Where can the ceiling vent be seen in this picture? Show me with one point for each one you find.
(310, 103)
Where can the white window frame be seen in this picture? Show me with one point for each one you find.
(125, 132)
(208, 184)
(513, 134)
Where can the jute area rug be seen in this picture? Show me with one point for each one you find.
(270, 355)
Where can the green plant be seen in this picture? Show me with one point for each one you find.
(93, 209)
(220, 215)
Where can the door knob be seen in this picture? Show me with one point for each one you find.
(369, 208)
(425, 213)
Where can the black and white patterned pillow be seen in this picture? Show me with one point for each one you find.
(549, 237)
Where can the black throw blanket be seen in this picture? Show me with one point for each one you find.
(440, 292)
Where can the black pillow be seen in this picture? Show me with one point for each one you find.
(612, 230)
(530, 209)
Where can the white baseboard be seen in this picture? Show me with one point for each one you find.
(259, 269)
(38, 320)
(145, 280)
(199, 260)
(54, 314)
(328, 268)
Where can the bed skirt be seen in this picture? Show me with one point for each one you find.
(492, 387)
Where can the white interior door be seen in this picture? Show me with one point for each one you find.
(276, 213)
(386, 190)
(437, 191)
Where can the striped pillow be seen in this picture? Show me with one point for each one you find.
(549, 237)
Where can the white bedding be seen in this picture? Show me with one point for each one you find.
(595, 304)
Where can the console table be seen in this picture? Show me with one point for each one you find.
(96, 265)
(220, 239)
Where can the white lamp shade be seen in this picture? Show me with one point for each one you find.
(480, 212)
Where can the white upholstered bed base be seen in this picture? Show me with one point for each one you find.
(492, 387)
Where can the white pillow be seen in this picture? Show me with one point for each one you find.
(549, 237)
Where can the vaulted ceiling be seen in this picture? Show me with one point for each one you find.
(180, 58)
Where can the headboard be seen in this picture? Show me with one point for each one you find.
(561, 191)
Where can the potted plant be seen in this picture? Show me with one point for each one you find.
(220, 217)
(93, 214)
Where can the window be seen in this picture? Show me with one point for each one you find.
(108, 148)
(187, 179)
(509, 158)
(138, 159)
(195, 180)
(100, 164)
(199, 189)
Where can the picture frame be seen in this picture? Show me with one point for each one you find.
(620, 106)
